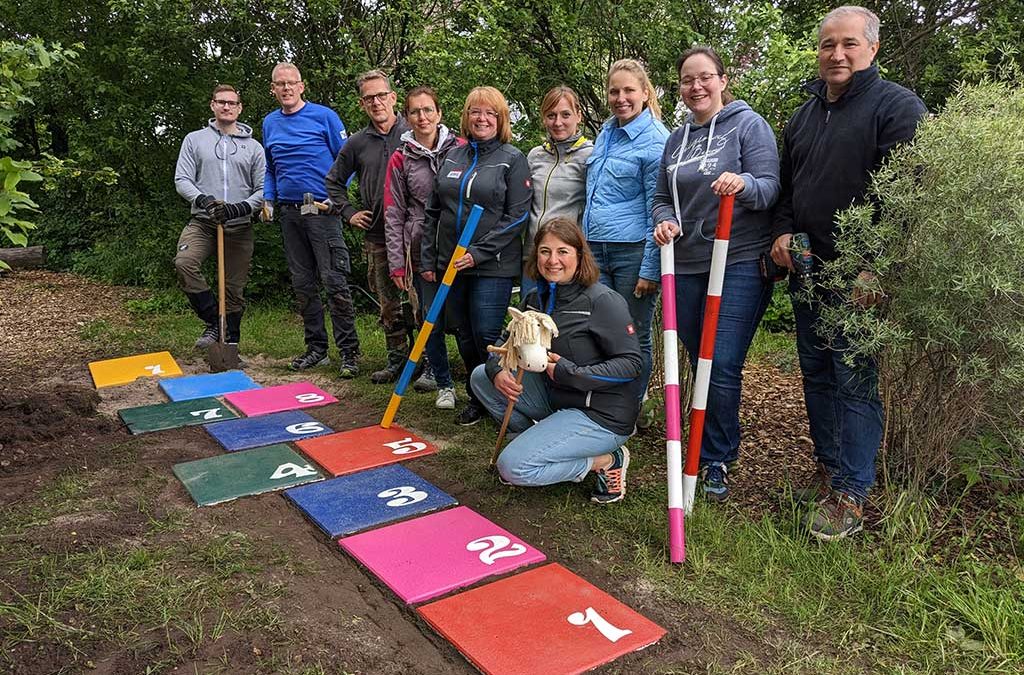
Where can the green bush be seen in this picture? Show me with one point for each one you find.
(947, 246)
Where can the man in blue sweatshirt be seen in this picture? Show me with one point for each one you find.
(302, 139)
(831, 146)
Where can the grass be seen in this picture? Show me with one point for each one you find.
(885, 601)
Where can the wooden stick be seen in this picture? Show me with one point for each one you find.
(504, 422)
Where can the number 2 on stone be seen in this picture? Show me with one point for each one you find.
(491, 548)
(597, 621)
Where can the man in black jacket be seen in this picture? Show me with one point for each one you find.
(831, 146)
(366, 154)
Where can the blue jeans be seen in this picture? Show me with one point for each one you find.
(843, 405)
(560, 447)
(475, 313)
(744, 299)
(436, 349)
(619, 263)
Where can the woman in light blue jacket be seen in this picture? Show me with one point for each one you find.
(622, 174)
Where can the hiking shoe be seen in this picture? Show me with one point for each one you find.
(648, 412)
(311, 359)
(715, 481)
(210, 336)
(611, 482)
(349, 366)
(445, 398)
(837, 516)
(387, 374)
(469, 415)
(426, 382)
(819, 489)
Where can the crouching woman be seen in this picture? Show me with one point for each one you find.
(573, 418)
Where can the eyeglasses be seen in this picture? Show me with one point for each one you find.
(481, 114)
(703, 78)
(370, 98)
(285, 84)
(426, 110)
(229, 104)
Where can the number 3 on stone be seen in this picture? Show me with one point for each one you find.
(405, 446)
(597, 621)
(403, 496)
(491, 548)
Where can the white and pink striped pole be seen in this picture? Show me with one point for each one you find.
(673, 417)
(702, 380)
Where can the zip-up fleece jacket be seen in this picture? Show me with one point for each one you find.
(830, 149)
(228, 167)
(407, 187)
(737, 140)
(490, 174)
(621, 177)
(599, 372)
(300, 149)
(366, 154)
(559, 172)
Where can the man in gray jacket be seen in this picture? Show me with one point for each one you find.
(220, 173)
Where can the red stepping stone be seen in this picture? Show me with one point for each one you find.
(365, 448)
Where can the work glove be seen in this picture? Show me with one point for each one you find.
(267, 212)
(205, 202)
(222, 213)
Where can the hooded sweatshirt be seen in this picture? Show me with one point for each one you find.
(739, 141)
(407, 187)
(559, 172)
(229, 167)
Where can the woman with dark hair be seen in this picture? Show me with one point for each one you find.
(408, 184)
(573, 418)
(722, 148)
(490, 173)
(558, 167)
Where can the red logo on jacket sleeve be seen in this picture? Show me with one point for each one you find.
(630, 329)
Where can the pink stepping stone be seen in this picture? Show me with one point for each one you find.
(425, 557)
(283, 397)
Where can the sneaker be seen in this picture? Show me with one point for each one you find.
(210, 335)
(835, 517)
(387, 374)
(425, 382)
(445, 398)
(819, 489)
(648, 412)
(311, 359)
(611, 482)
(349, 366)
(715, 481)
(469, 415)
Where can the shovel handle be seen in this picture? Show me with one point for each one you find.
(221, 307)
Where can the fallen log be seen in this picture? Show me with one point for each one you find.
(24, 258)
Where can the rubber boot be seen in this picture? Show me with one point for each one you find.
(205, 306)
(234, 325)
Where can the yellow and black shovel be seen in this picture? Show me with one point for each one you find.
(222, 356)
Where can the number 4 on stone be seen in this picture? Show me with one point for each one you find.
(290, 470)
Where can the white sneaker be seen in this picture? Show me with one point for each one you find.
(445, 398)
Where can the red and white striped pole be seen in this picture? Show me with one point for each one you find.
(673, 416)
(702, 380)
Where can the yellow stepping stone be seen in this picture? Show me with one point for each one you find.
(113, 372)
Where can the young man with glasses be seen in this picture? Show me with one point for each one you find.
(220, 172)
(366, 154)
(302, 140)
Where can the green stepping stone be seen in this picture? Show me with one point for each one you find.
(225, 477)
(174, 415)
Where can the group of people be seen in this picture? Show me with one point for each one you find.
(577, 223)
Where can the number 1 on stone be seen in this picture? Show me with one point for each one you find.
(597, 621)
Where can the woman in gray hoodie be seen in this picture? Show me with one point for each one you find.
(558, 168)
(408, 182)
(722, 148)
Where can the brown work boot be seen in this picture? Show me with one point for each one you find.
(838, 516)
(819, 488)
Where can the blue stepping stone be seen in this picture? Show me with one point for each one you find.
(252, 432)
(203, 386)
(358, 501)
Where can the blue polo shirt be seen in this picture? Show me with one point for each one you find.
(300, 148)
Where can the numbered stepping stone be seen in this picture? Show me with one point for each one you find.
(292, 396)
(253, 432)
(205, 386)
(425, 557)
(220, 479)
(365, 448)
(113, 372)
(173, 415)
(366, 499)
(545, 620)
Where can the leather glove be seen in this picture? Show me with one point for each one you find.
(204, 202)
(267, 212)
(222, 213)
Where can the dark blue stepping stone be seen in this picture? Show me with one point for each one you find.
(358, 501)
(252, 432)
(202, 386)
